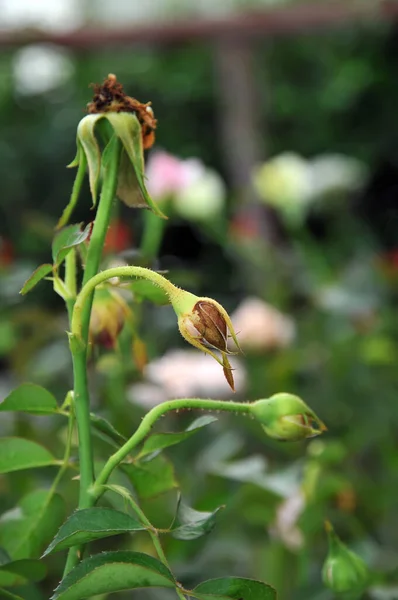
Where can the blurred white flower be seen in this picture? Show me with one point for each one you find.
(291, 184)
(260, 326)
(197, 192)
(285, 526)
(336, 173)
(284, 182)
(41, 68)
(184, 374)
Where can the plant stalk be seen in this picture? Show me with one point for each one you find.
(146, 425)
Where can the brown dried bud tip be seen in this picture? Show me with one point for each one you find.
(210, 324)
(110, 97)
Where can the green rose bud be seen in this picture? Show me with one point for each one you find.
(286, 417)
(344, 572)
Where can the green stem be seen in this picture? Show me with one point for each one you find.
(154, 536)
(70, 281)
(78, 325)
(79, 353)
(147, 423)
(81, 172)
(152, 236)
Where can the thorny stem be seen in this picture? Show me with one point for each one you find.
(146, 425)
(79, 354)
(78, 325)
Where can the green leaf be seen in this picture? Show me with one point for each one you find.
(90, 147)
(28, 528)
(234, 587)
(104, 427)
(128, 129)
(68, 238)
(194, 523)
(145, 290)
(111, 572)
(37, 275)
(81, 163)
(30, 398)
(159, 441)
(17, 454)
(18, 572)
(91, 524)
(151, 478)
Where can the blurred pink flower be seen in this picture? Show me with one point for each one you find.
(165, 175)
(184, 374)
(285, 527)
(260, 326)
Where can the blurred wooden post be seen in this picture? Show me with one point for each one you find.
(241, 133)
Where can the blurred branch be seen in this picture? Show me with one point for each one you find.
(295, 18)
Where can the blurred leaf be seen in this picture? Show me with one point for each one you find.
(68, 238)
(159, 441)
(113, 571)
(91, 524)
(194, 523)
(151, 478)
(7, 594)
(36, 276)
(30, 398)
(104, 427)
(234, 587)
(19, 571)
(18, 453)
(27, 529)
(145, 290)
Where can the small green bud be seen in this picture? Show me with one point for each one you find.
(286, 417)
(344, 572)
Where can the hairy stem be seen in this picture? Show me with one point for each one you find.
(78, 325)
(147, 423)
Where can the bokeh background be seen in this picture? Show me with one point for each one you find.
(276, 160)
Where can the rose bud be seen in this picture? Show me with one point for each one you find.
(344, 572)
(286, 417)
(108, 316)
(205, 324)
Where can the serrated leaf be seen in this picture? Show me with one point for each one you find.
(151, 478)
(68, 238)
(145, 290)
(237, 588)
(159, 441)
(18, 453)
(37, 275)
(30, 398)
(91, 524)
(111, 572)
(194, 523)
(106, 428)
(28, 528)
(128, 130)
(18, 572)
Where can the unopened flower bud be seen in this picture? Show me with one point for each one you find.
(344, 572)
(205, 324)
(108, 316)
(286, 417)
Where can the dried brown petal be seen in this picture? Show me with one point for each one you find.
(211, 324)
(227, 369)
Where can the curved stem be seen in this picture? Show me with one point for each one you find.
(147, 423)
(78, 325)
